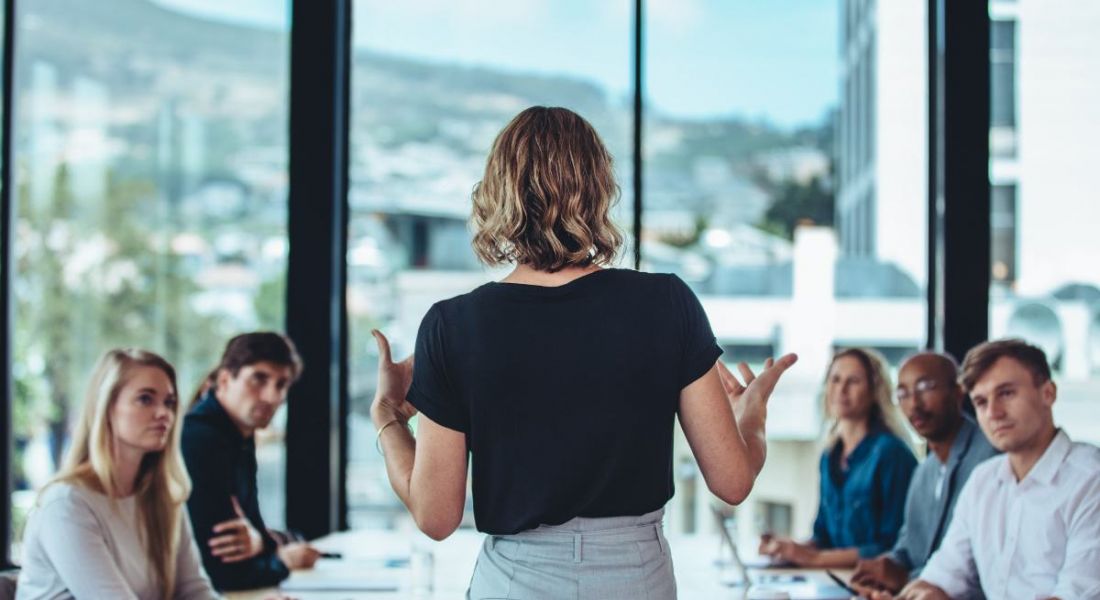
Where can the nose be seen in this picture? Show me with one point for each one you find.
(996, 409)
(272, 395)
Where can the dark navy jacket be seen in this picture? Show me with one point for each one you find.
(222, 463)
(864, 506)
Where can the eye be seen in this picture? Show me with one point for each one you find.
(145, 399)
(171, 403)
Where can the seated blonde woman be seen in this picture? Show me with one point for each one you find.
(865, 469)
(112, 524)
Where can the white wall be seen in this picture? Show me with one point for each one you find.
(901, 138)
(1058, 62)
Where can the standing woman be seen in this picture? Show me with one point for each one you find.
(112, 524)
(562, 384)
(865, 469)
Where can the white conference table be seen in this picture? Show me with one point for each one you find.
(365, 552)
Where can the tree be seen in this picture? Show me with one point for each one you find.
(132, 292)
(794, 203)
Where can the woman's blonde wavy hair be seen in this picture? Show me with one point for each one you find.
(545, 198)
(162, 484)
(883, 415)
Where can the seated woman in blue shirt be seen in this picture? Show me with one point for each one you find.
(865, 469)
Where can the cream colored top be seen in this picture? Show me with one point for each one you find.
(80, 544)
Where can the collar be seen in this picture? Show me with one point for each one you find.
(1044, 471)
(214, 413)
(862, 449)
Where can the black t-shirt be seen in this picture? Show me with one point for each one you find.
(567, 395)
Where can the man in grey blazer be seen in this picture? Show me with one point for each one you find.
(931, 398)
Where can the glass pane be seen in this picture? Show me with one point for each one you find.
(432, 84)
(1002, 74)
(1045, 282)
(150, 184)
(785, 181)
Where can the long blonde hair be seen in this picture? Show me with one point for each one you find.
(162, 484)
(883, 413)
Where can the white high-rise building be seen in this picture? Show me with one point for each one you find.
(881, 137)
(1044, 59)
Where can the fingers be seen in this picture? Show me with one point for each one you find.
(746, 373)
(407, 363)
(230, 525)
(785, 362)
(225, 541)
(237, 507)
(311, 556)
(230, 548)
(729, 382)
(770, 376)
(383, 346)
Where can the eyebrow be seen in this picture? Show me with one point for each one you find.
(1000, 386)
(149, 390)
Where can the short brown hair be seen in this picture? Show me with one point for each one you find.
(982, 357)
(546, 194)
(251, 348)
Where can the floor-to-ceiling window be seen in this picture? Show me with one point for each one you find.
(1045, 283)
(149, 187)
(785, 181)
(432, 84)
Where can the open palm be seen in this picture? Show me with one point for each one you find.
(394, 380)
(752, 396)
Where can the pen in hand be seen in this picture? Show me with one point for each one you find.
(842, 583)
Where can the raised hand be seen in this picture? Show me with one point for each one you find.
(394, 380)
(237, 539)
(754, 393)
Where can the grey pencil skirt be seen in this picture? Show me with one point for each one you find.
(581, 559)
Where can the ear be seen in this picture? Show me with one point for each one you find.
(221, 381)
(1049, 392)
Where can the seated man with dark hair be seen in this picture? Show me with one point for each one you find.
(930, 396)
(240, 396)
(1027, 523)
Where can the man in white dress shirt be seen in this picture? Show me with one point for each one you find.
(1027, 523)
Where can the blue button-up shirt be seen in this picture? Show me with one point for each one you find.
(863, 506)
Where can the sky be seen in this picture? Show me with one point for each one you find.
(764, 59)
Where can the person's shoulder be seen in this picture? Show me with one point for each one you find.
(927, 467)
(891, 446)
(1084, 459)
(646, 278)
(457, 304)
(202, 432)
(66, 497)
(987, 470)
(1086, 453)
(653, 286)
